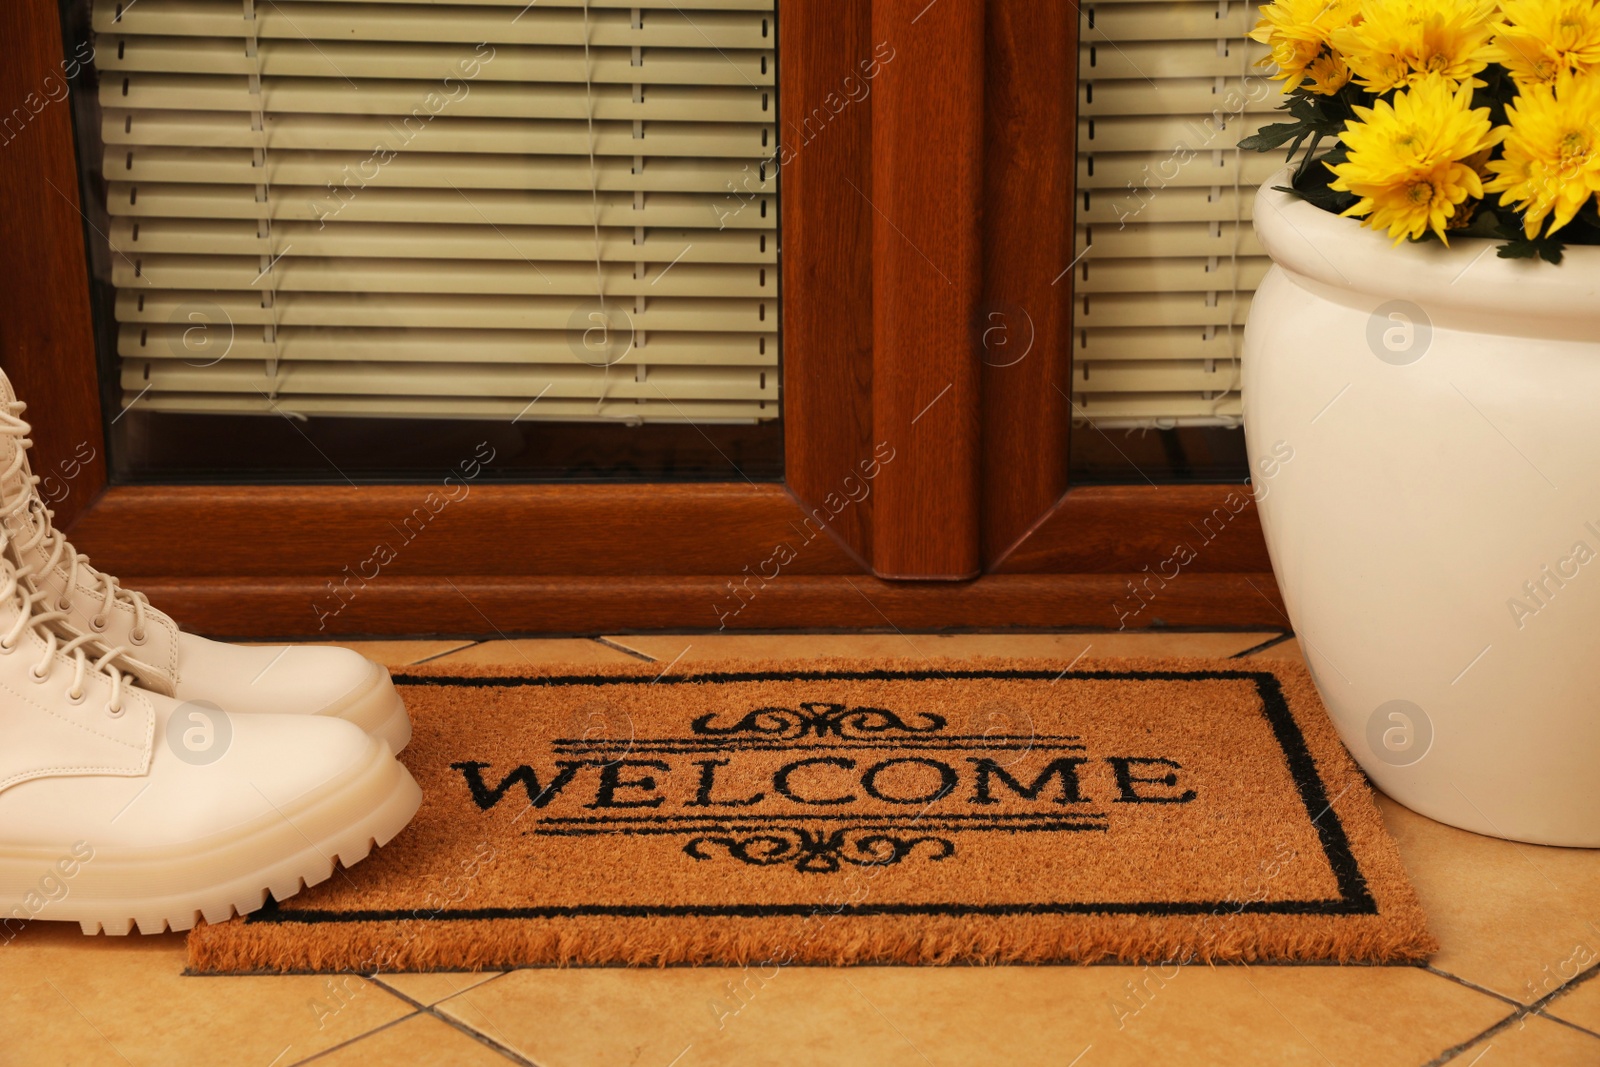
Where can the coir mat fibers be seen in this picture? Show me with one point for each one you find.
(834, 812)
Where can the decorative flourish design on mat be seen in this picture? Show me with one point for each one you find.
(820, 852)
(864, 840)
(820, 719)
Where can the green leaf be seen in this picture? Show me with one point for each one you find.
(1323, 113)
(1584, 229)
(1484, 224)
(1546, 248)
(1313, 185)
(1327, 199)
(1318, 116)
(1269, 137)
(1311, 154)
(1497, 91)
(1336, 155)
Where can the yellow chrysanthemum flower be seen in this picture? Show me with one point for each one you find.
(1409, 160)
(1552, 158)
(1299, 32)
(1396, 43)
(1327, 74)
(1541, 38)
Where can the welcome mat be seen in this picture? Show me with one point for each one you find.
(848, 812)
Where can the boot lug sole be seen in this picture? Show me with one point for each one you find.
(383, 792)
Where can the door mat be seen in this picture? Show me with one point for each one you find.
(851, 812)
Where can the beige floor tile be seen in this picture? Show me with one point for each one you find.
(1579, 1004)
(681, 1016)
(1278, 1016)
(1514, 918)
(536, 651)
(1533, 1042)
(67, 998)
(394, 654)
(422, 1041)
(429, 989)
(1067, 647)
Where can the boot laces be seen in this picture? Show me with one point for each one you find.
(41, 532)
(32, 615)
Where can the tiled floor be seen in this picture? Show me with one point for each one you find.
(1517, 980)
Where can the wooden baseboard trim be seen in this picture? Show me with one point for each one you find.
(305, 607)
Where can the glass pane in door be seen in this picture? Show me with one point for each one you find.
(367, 240)
(1167, 260)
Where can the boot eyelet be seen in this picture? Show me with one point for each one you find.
(33, 672)
(76, 700)
(98, 624)
(137, 637)
(115, 711)
(6, 648)
(63, 604)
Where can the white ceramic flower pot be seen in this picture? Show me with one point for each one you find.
(1424, 434)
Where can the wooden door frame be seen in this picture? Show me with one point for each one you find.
(926, 465)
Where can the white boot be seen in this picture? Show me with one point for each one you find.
(120, 806)
(333, 682)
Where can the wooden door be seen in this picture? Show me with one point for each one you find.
(927, 225)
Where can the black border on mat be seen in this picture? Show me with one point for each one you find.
(1354, 897)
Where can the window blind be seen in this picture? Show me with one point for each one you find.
(564, 209)
(1168, 260)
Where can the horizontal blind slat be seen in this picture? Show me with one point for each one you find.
(1183, 169)
(1162, 309)
(1161, 409)
(1167, 205)
(1203, 58)
(379, 137)
(466, 312)
(685, 411)
(1158, 343)
(147, 165)
(1164, 239)
(486, 206)
(206, 338)
(1165, 136)
(1176, 20)
(1172, 274)
(312, 274)
(334, 96)
(1185, 96)
(359, 60)
(525, 243)
(457, 379)
(596, 5)
(297, 20)
(1135, 376)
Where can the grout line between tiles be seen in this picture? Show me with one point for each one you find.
(377, 979)
(359, 1037)
(1522, 1011)
(1263, 646)
(466, 1028)
(446, 652)
(1568, 1023)
(1566, 987)
(624, 648)
(478, 1035)
(1544, 1013)
(1455, 1050)
(1513, 1001)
